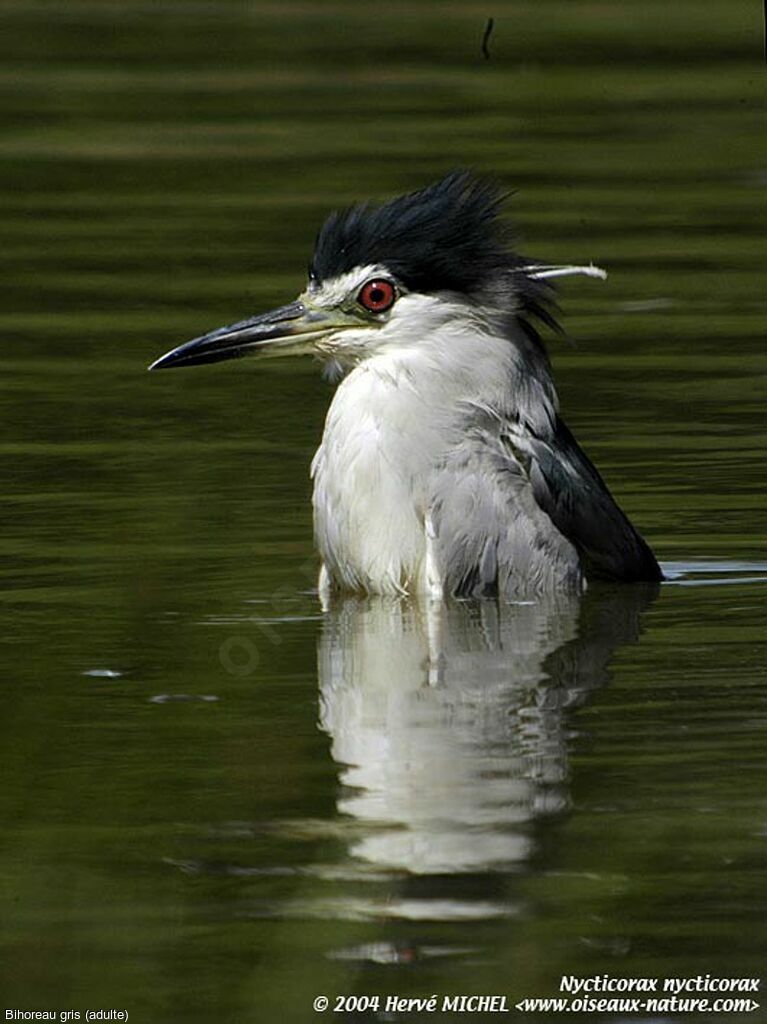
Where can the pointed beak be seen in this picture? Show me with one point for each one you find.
(291, 330)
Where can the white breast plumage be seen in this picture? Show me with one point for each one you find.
(368, 507)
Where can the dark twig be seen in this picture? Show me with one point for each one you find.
(489, 32)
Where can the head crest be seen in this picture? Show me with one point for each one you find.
(446, 236)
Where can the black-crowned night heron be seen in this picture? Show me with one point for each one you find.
(444, 467)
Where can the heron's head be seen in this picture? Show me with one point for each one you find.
(390, 276)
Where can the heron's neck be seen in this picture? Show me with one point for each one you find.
(462, 365)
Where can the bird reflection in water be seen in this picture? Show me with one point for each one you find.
(450, 723)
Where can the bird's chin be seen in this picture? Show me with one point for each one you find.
(336, 361)
(333, 370)
(349, 346)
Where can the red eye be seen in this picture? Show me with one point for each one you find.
(377, 296)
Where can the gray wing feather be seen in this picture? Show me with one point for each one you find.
(490, 534)
(518, 515)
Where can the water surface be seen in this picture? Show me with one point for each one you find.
(218, 801)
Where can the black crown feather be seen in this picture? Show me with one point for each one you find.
(446, 236)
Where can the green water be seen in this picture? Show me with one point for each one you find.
(218, 802)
